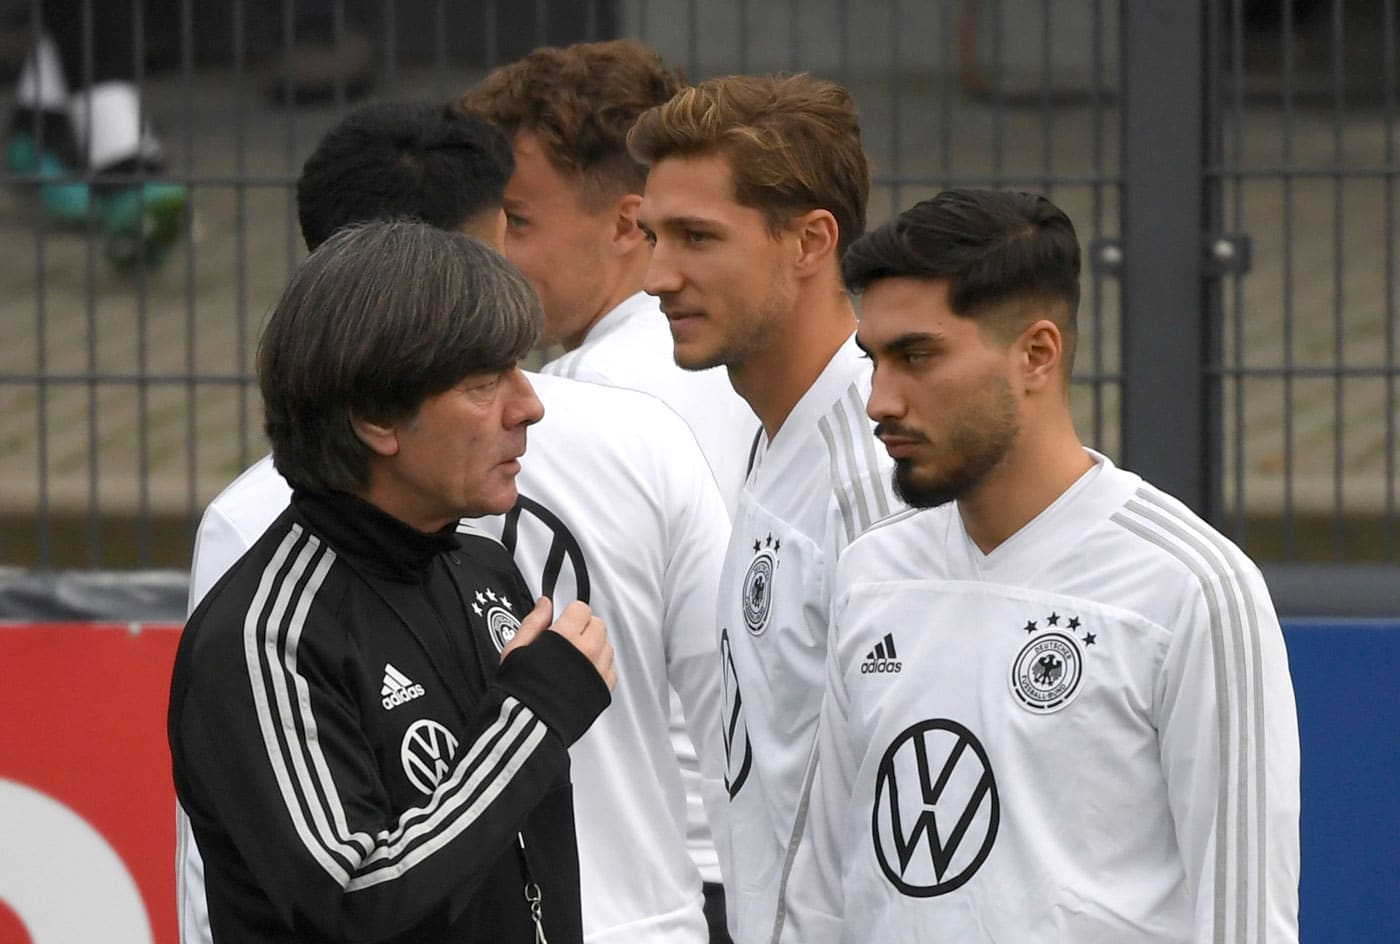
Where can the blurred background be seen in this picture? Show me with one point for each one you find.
(1231, 170)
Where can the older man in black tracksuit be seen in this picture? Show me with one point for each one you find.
(358, 762)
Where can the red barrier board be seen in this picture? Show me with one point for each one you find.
(87, 808)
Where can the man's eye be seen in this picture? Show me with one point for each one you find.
(481, 388)
(695, 237)
(515, 221)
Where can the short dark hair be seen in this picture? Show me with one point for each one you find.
(580, 100)
(379, 318)
(792, 143)
(993, 246)
(406, 160)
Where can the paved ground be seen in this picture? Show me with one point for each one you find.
(167, 446)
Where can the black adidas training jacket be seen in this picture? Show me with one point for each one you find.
(353, 756)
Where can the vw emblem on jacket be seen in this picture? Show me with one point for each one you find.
(427, 751)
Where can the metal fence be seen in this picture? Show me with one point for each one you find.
(1231, 168)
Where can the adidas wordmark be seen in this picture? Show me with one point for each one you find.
(397, 689)
(882, 659)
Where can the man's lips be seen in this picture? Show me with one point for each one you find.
(679, 314)
(898, 443)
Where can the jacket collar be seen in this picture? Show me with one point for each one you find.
(375, 541)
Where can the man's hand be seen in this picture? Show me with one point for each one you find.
(578, 625)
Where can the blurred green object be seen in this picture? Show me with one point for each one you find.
(67, 203)
(138, 222)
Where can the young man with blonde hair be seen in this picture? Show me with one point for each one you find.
(571, 208)
(571, 226)
(756, 186)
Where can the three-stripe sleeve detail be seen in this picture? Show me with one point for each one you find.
(1235, 649)
(282, 701)
(861, 487)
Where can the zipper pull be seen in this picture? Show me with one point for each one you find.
(533, 895)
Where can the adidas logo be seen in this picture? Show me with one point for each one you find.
(882, 659)
(397, 689)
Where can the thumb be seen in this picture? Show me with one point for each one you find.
(535, 622)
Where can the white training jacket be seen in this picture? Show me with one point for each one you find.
(1088, 734)
(821, 481)
(617, 496)
(631, 346)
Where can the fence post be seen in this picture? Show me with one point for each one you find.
(1165, 426)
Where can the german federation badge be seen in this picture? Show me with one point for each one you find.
(1045, 676)
(758, 584)
(500, 616)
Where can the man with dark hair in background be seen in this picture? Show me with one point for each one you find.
(616, 509)
(1058, 705)
(356, 757)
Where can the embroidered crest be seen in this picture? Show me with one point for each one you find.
(499, 612)
(758, 584)
(1045, 676)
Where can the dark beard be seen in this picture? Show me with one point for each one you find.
(981, 442)
(918, 494)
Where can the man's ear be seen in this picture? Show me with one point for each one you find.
(1040, 346)
(380, 439)
(627, 235)
(817, 235)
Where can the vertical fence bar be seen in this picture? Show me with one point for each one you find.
(289, 124)
(947, 30)
(998, 94)
(1047, 102)
(338, 40)
(1237, 185)
(1391, 79)
(896, 104)
(1161, 223)
(1338, 286)
(391, 48)
(692, 41)
(1290, 518)
(191, 334)
(1212, 303)
(844, 43)
(440, 87)
(1096, 135)
(794, 36)
(90, 271)
(743, 35)
(43, 526)
(143, 390)
(240, 222)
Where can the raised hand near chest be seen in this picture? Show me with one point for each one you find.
(578, 625)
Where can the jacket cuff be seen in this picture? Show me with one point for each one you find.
(558, 683)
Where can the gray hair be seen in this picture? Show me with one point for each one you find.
(379, 318)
